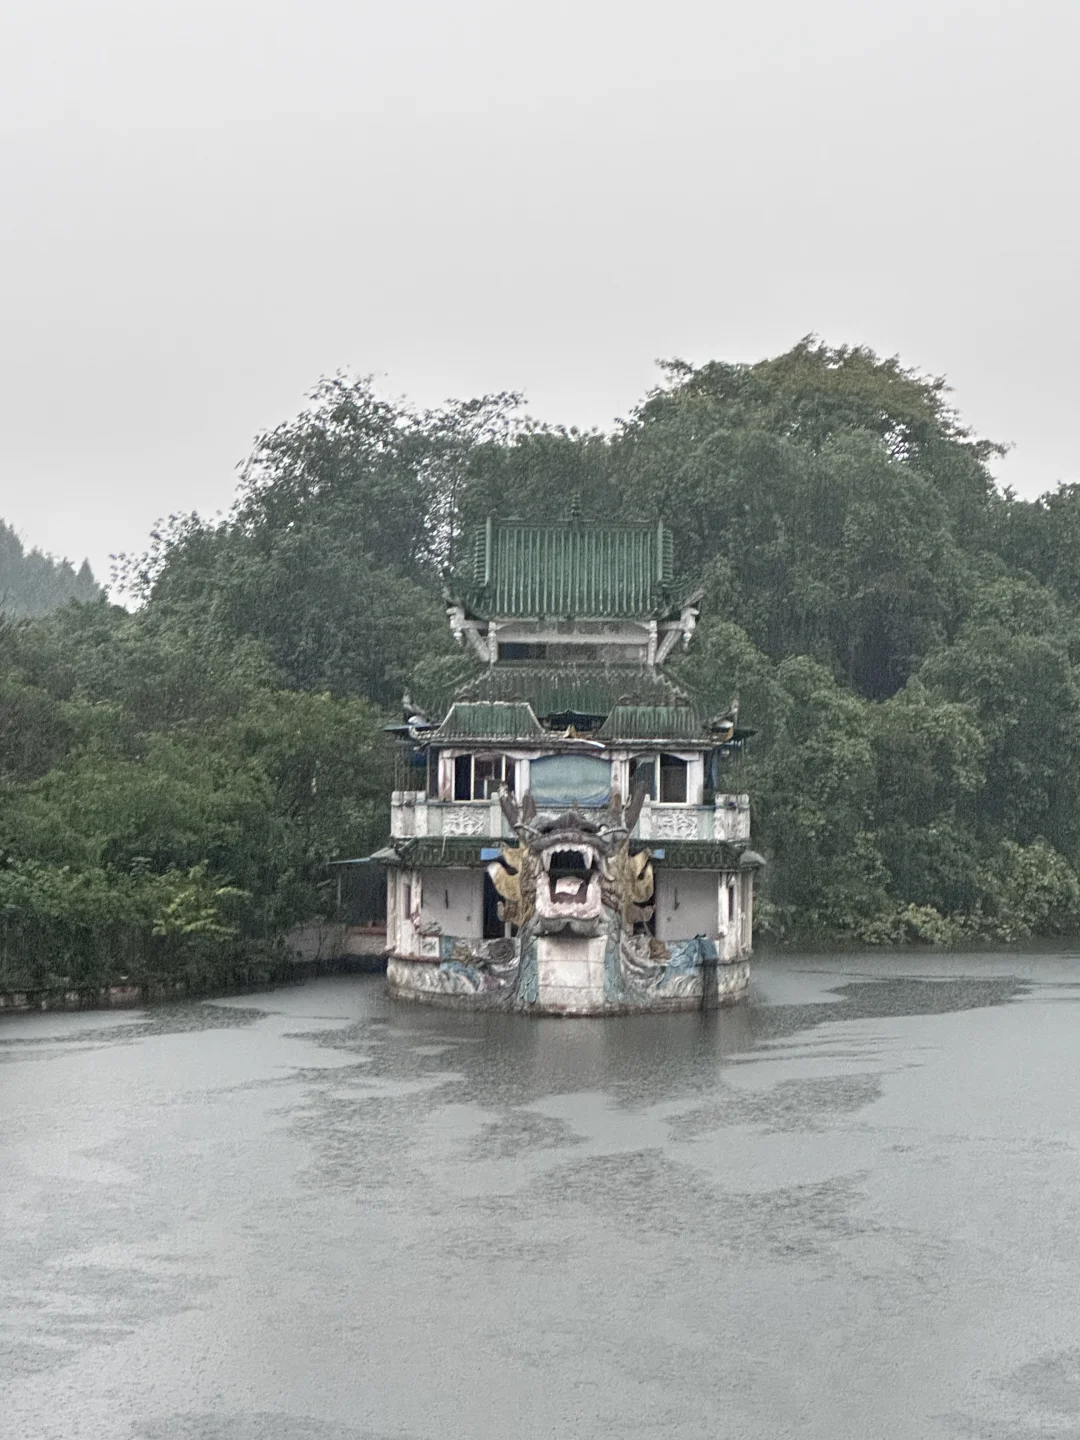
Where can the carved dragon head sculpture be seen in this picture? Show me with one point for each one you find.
(567, 869)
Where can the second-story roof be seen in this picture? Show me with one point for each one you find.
(490, 720)
(582, 689)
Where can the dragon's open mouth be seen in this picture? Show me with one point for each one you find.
(568, 872)
(569, 899)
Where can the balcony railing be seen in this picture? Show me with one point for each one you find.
(412, 813)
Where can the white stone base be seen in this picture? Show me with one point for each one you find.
(570, 972)
(570, 982)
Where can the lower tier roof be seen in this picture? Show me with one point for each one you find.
(436, 852)
(583, 689)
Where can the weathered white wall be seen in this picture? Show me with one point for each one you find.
(571, 632)
(746, 910)
(413, 813)
(454, 900)
(686, 903)
(315, 940)
(397, 918)
(731, 817)
(570, 974)
(695, 778)
(730, 901)
(401, 911)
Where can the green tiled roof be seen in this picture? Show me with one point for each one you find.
(578, 689)
(435, 850)
(501, 720)
(702, 854)
(651, 722)
(574, 569)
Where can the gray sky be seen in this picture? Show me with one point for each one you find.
(209, 203)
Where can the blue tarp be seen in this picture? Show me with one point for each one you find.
(570, 780)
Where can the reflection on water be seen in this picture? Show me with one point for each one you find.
(848, 1208)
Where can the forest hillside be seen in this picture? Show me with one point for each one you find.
(903, 636)
(32, 583)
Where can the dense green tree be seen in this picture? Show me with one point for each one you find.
(839, 491)
(1042, 538)
(929, 761)
(814, 792)
(166, 808)
(332, 555)
(903, 637)
(1011, 666)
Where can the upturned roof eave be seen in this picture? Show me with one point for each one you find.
(553, 743)
(474, 607)
(589, 688)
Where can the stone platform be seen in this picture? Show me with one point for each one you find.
(572, 976)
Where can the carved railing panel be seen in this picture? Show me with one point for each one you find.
(464, 820)
(677, 824)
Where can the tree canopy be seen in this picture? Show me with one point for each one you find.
(903, 635)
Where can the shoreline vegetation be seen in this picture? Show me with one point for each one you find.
(903, 636)
(123, 994)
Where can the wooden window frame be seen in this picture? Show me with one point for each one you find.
(507, 775)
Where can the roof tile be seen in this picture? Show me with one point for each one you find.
(576, 569)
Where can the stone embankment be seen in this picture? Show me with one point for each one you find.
(315, 948)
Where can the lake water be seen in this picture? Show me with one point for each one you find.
(850, 1208)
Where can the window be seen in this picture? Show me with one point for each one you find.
(663, 776)
(672, 780)
(478, 777)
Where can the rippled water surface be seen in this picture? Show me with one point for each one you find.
(850, 1208)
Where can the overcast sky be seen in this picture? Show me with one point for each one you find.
(209, 203)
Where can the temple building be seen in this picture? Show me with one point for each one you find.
(571, 851)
